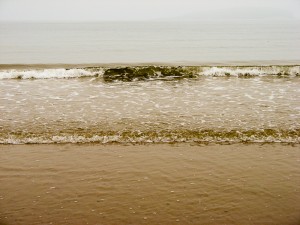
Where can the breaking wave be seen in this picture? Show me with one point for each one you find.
(151, 72)
(48, 73)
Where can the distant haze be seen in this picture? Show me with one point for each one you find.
(143, 10)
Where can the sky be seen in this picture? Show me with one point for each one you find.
(141, 10)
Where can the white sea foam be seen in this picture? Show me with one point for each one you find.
(99, 71)
(147, 139)
(250, 71)
(48, 73)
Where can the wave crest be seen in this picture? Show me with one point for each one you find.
(49, 73)
(132, 73)
(252, 71)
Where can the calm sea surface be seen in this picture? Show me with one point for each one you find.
(137, 42)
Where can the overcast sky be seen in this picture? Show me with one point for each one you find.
(107, 10)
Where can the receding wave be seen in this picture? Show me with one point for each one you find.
(151, 72)
(153, 136)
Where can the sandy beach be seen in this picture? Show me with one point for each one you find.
(150, 184)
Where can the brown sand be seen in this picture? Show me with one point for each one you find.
(150, 184)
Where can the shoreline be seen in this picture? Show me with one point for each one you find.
(155, 144)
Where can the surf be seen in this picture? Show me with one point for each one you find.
(131, 73)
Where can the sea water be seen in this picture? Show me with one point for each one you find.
(146, 82)
(157, 42)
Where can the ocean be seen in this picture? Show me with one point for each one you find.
(183, 43)
(156, 82)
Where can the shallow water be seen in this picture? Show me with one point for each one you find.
(256, 107)
(150, 184)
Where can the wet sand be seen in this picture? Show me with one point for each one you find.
(150, 184)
